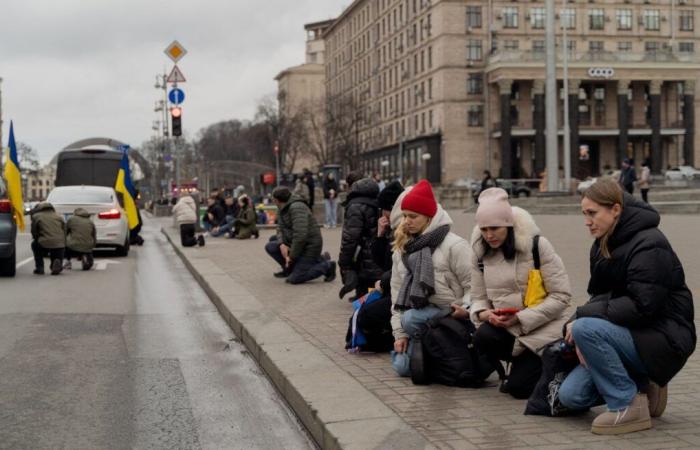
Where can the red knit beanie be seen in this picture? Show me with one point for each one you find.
(420, 200)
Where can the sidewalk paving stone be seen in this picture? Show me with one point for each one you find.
(239, 277)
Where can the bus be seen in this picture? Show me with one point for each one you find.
(90, 166)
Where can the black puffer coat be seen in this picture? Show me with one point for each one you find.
(360, 229)
(642, 287)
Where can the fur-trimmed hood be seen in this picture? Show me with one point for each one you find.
(524, 227)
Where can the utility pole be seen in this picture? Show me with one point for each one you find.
(567, 135)
(552, 150)
(1, 147)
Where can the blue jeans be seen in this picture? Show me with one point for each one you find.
(413, 322)
(615, 373)
(223, 229)
(331, 211)
(304, 269)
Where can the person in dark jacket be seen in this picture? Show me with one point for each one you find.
(381, 245)
(330, 200)
(49, 238)
(298, 244)
(636, 332)
(311, 184)
(357, 267)
(628, 175)
(81, 238)
(231, 211)
(214, 218)
(244, 225)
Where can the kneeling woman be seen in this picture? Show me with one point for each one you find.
(636, 332)
(430, 271)
(502, 245)
(244, 226)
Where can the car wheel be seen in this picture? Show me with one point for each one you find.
(124, 249)
(8, 266)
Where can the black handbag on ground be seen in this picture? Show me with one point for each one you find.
(558, 360)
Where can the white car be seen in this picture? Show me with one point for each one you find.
(105, 211)
(683, 173)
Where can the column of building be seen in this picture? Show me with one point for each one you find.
(573, 125)
(655, 105)
(622, 119)
(504, 92)
(689, 122)
(538, 121)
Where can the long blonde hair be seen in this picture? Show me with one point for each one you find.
(402, 236)
(607, 193)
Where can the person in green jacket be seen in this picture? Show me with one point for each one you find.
(49, 238)
(298, 244)
(244, 226)
(81, 238)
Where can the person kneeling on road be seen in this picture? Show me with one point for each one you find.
(49, 234)
(81, 238)
(298, 244)
(430, 271)
(185, 216)
(503, 245)
(636, 332)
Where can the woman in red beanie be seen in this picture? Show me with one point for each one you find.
(430, 271)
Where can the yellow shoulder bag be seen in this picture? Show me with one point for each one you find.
(535, 292)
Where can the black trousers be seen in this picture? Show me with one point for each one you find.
(40, 253)
(187, 238)
(525, 369)
(73, 254)
(645, 195)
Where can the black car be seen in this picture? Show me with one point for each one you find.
(8, 234)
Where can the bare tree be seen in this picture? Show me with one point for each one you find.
(287, 128)
(342, 119)
(28, 157)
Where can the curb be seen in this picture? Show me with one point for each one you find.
(337, 411)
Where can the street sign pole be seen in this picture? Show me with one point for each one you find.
(276, 149)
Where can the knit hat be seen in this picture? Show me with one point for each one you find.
(389, 194)
(420, 200)
(494, 209)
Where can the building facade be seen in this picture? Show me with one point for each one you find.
(39, 183)
(448, 88)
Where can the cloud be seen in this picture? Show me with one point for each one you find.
(74, 69)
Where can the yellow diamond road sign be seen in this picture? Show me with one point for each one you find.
(175, 51)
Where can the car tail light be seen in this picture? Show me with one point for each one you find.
(111, 214)
(5, 206)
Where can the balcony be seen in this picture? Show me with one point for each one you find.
(508, 57)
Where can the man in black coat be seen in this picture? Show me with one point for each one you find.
(311, 184)
(215, 216)
(358, 269)
(628, 175)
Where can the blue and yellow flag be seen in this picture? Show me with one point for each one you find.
(126, 188)
(14, 180)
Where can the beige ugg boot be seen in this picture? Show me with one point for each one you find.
(633, 418)
(658, 396)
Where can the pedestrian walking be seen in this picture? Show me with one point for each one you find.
(49, 238)
(628, 175)
(330, 200)
(505, 243)
(298, 244)
(644, 180)
(430, 271)
(185, 217)
(636, 332)
(358, 270)
(81, 239)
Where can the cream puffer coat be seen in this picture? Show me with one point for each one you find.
(452, 272)
(185, 211)
(503, 284)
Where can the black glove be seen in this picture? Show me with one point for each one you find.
(349, 278)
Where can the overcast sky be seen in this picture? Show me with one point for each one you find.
(74, 69)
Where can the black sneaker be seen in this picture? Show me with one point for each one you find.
(56, 267)
(504, 388)
(330, 275)
(281, 274)
(200, 240)
(87, 262)
(326, 256)
(256, 234)
(39, 271)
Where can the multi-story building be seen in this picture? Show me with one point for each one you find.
(448, 88)
(302, 88)
(39, 183)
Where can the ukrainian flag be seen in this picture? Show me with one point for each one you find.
(126, 188)
(14, 180)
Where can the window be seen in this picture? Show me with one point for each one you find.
(571, 45)
(687, 21)
(473, 16)
(474, 52)
(568, 18)
(596, 19)
(686, 47)
(430, 57)
(475, 84)
(595, 46)
(510, 17)
(511, 45)
(430, 88)
(538, 46)
(624, 19)
(652, 19)
(651, 47)
(475, 117)
(624, 46)
(537, 16)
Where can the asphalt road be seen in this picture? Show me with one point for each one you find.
(130, 355)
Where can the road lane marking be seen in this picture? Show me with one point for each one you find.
(102, 264)
(25, 262)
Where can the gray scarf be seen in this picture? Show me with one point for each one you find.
(419, 283)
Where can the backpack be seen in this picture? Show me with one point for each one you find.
(369, 328)
(444, 353)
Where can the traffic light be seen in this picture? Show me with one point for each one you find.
(176, 119)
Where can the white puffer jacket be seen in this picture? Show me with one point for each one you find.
(185, 211)
(503, 283)
(452, 272)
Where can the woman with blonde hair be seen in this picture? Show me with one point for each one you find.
(430, 271)
(636, 331)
